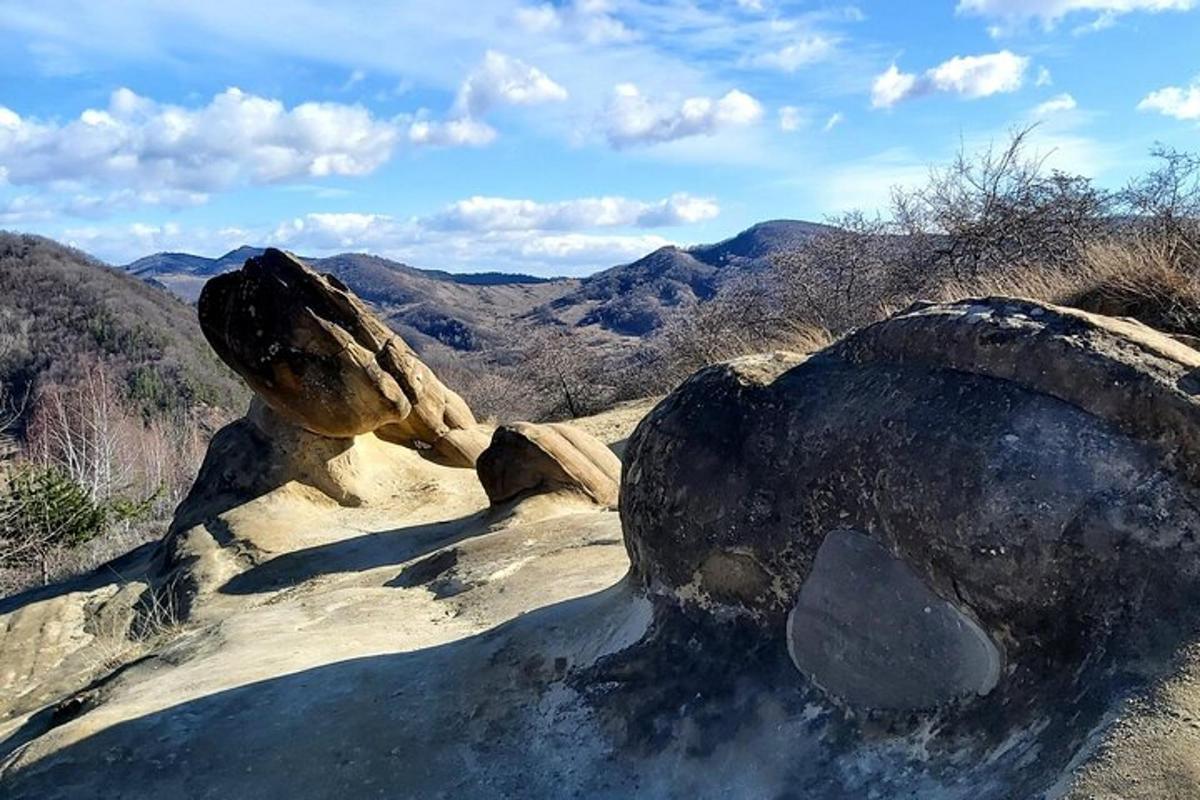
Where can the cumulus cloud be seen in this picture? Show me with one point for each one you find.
(979, 76)
(633, 119)
(504, 80)
(1055, 105)
(121, 244)
(891, 86)
(235, 138)
(967, 76)
(802, 52)
(464, 132)
(503, 213)
(537, 252)
(1180, 102)
(499, 80)
(477, 233)
(1050, 12)
(23, 209)
(167, 154)
(587, 20)
(412, 241)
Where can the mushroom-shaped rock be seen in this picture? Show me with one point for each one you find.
(319, 358)
(525, 458)
(962, 492)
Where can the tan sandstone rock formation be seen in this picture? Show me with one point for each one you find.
(319, 358)
(525, 458)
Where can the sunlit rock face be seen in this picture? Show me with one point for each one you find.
(962, 500)
(311, 349)
(525, 458)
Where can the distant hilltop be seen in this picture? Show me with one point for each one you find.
(467, 311)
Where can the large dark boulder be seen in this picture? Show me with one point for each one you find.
(1001, 483)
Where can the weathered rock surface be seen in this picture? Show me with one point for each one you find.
(1032, 467)
(319, 358)
(916, 564)
(525, 458)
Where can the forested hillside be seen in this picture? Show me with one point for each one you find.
(60, 308)
(108, 396)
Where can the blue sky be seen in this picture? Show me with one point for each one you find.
(553, 138)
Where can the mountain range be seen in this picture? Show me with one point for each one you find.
(469, 312)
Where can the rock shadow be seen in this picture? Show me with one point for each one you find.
(357, 554)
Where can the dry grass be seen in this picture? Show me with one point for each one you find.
(1140, 278)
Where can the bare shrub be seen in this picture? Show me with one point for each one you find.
(569, 376)
(996, 209)
(747, 316)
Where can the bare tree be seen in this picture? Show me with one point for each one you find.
(999, 208)
(569, 375)
(84, 429)
(840, 279)
(1164, 204)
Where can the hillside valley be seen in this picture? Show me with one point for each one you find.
(473, 312)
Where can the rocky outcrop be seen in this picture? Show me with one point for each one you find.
(967, 492)
(952, 556)
(319, 358)
(525, 458)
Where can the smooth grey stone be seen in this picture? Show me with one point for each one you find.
(868, 630)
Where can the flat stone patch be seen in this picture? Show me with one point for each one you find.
(868, 630)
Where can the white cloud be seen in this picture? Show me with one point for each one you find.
(834, 120)
(547, 253)
(498, 80)
(750, 5)
(791, 119)
(502, 213)
(980, 76)
(478, 233)
(535, 252)
(121, 244)
(892, 86)
(236, 138)
(1055, 105)
(539, 19)
(802, 52)
(27, 208)
(23, 209)
(1174, 101)
(503, 80)
(163, 151)
(464, 132)
(967, 76)
(1050, 12)
(1043, 77)
(586, 20)
(632, 118)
